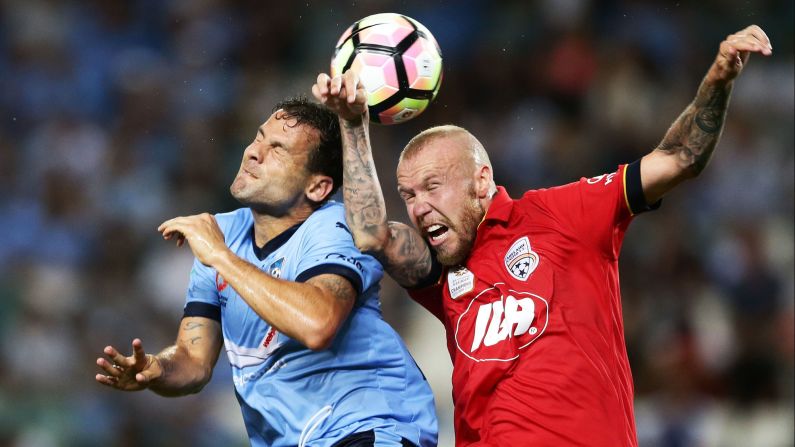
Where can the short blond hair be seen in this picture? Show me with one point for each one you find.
(416, 144)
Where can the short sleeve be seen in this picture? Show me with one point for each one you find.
(597, 210)
(201, 299)
(328, 247)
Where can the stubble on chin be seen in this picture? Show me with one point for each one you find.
(466, 232)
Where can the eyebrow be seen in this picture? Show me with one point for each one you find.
(261, 132)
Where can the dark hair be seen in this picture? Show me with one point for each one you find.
(326, 159)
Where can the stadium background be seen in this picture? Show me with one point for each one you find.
(117, 115)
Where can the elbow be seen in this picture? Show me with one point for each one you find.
(371, 242)
(372, 247)
(321, 334)
(318, 342)
(201, 379)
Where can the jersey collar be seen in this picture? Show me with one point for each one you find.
(273, 244)
(500, 208)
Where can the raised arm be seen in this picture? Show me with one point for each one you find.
(183, 368)
(399, 247)
(687, 146)
(309, 312)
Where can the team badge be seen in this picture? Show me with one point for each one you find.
(460, 282)
(275, 269)
(521, 260)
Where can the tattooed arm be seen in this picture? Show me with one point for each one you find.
(688, 144)
(183, 368)
(399, 247)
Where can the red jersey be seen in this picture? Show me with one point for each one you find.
(533, 319)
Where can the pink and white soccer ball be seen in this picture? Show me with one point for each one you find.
(398, 62)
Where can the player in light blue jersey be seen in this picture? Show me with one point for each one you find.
(282, 287)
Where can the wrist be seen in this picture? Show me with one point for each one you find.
(351, 122)
(717, 77)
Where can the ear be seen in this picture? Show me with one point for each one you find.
(483, 181)
(318, 187)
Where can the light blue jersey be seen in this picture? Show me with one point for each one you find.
(290, 395)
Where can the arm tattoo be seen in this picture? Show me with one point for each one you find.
(694, 135)
(364, 203)
(397, 246)
(410, 259)
(336, 285)
(194, 340)
(191, 325)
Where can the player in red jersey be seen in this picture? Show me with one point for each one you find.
(527, 289)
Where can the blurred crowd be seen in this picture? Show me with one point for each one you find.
(117, 115)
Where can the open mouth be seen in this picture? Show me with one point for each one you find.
(436, 233)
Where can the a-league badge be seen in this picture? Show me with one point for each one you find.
(521, 260)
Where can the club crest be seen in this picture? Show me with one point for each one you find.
(521, 260)
(275, 269)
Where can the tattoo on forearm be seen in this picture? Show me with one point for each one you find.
(191, 325)
(194, 340)
(710, 118)
(694, 135)
(364, 204)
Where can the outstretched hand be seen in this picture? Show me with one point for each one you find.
(735, 50)
(344, 95)
(131, 373)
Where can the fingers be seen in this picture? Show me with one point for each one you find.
(146, 376)
(751, 39)
(105, 380)
(322, 84)
(179, 227)
(139, 356)
(351, 82)
(335, 86)
(760, 36)
(111, 370)
(116, 357)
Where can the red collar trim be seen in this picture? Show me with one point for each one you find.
(501, 206)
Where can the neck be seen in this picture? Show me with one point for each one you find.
(267, 227)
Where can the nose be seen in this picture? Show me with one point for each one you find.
(253, 152)
(421, 207)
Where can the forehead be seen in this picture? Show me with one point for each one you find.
(447, 156)
(287, 130)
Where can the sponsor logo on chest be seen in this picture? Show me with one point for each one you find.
(501, 319)
(499, 323)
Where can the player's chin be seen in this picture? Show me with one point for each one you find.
(450, 254)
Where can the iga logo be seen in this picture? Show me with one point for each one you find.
(499, 323)
(521, 260)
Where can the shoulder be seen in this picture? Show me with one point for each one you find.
(329, 217)
(233, 222)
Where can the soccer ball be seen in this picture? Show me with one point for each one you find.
(398, 62)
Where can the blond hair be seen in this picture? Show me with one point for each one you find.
(416, 144)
